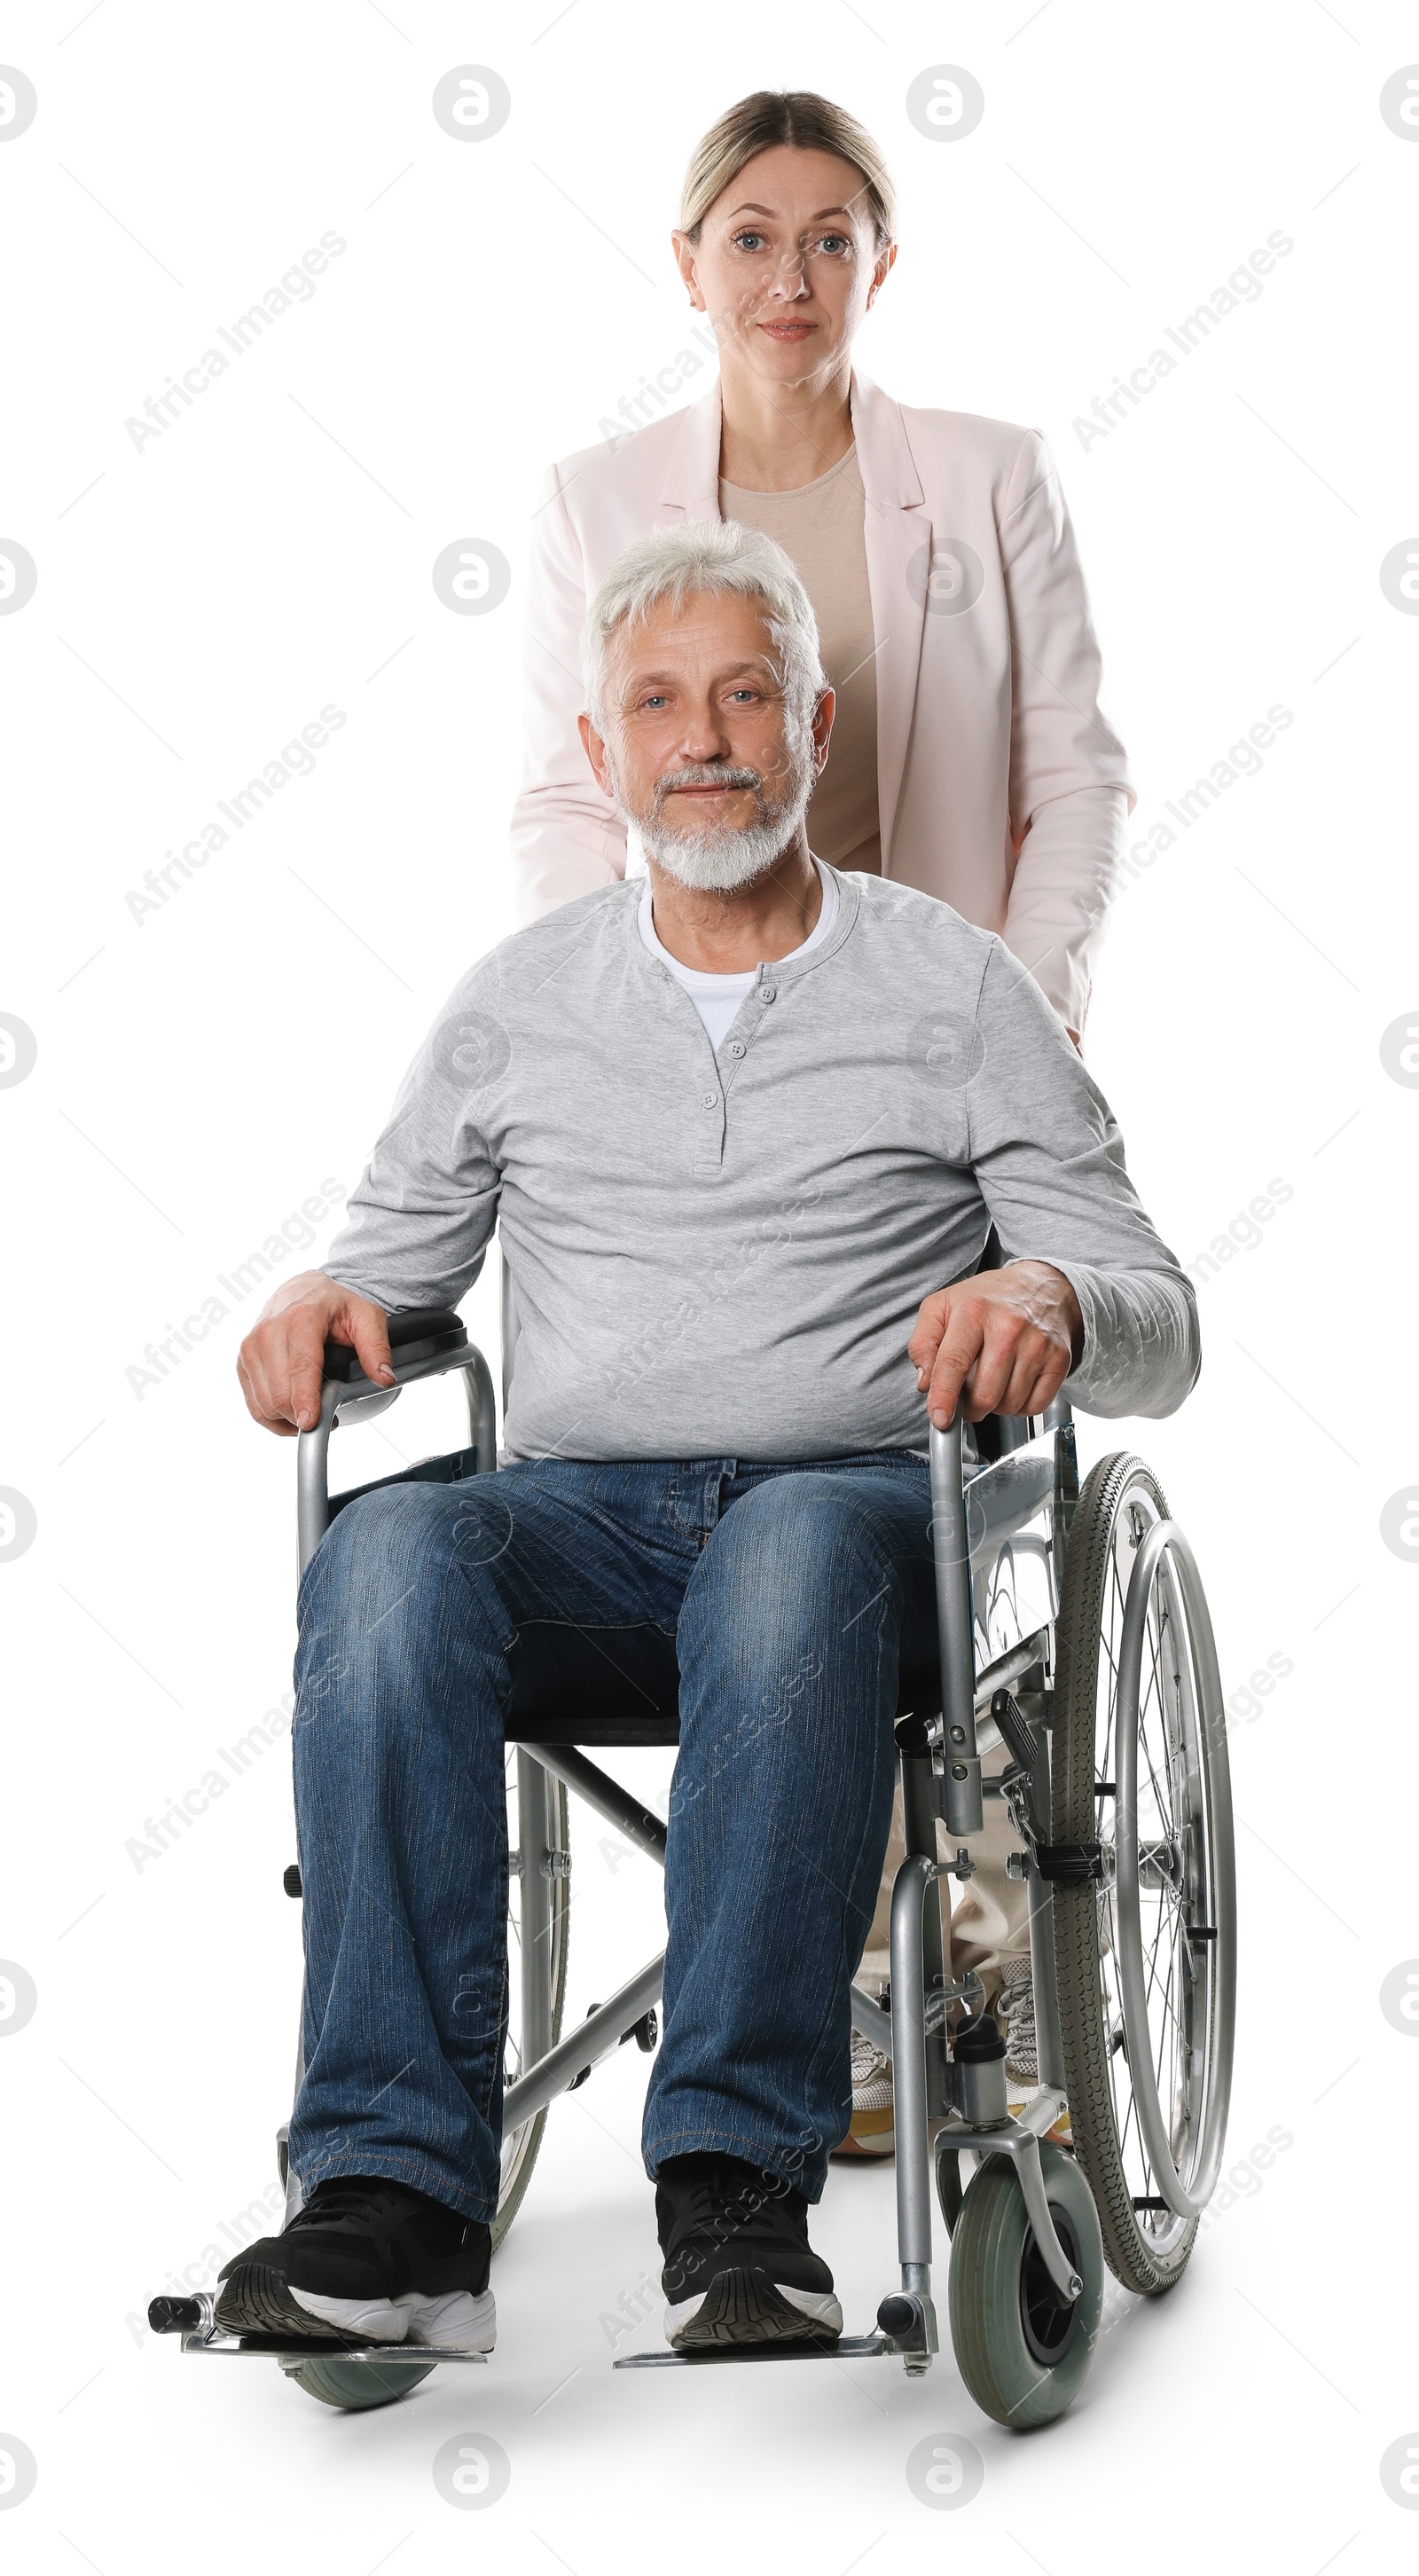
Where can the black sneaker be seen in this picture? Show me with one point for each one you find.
(366, 2261)
(738, 2265)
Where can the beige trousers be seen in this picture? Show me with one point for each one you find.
(990, 1920)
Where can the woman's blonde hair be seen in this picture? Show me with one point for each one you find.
(808, 123)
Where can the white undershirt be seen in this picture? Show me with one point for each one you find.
(718, 998)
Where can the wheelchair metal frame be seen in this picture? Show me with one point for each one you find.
(941, 1779)
(998, 1541)
(941, 1771)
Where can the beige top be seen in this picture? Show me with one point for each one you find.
(820, 526)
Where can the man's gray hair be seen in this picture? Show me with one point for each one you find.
(705, 557)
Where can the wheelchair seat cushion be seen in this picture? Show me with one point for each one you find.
(562, 1695)
(604, 1688)
(574, 1687)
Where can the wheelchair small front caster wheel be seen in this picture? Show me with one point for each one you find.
(355, 2385)
(1021, 2354)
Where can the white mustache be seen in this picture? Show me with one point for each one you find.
(710, 774)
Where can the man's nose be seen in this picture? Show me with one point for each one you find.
(703, 739)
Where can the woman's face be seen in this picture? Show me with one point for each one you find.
(786, 264)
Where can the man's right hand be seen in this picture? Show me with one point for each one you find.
(280, 1361)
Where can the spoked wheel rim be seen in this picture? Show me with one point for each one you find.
(1146, 1957)
(1171, 1901)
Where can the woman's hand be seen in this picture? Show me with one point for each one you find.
(1003, 1342)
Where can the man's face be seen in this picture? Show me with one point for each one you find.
(703, 754)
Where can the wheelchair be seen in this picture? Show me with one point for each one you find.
(1075, 1641)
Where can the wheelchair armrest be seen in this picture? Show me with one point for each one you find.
(424, 1341)
(418, 1333)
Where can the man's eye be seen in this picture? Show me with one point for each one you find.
(740, 696)
(655, 699)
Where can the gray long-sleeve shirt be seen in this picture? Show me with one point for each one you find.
(724, 1257)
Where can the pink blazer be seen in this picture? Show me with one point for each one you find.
(1001, 787)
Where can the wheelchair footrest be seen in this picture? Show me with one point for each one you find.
(292, 2354)
(847, 2348)
(192, 2321)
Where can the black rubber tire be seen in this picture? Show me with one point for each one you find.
(1074, 1819)
(516, 2191)
(995, 2267)
(355, 2385)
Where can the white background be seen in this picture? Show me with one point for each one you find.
(200, 1073)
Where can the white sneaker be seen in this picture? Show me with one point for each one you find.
(871, 2130)
(1015, 2012)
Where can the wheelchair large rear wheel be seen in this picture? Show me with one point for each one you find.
(1146, 1953)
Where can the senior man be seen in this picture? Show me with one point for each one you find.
(743, 1131)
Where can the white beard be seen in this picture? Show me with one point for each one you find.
(720, 862)
(725, 857)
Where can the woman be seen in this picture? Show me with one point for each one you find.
(968, 754)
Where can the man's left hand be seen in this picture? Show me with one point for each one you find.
(1003, 1342)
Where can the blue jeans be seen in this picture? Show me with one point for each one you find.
(789, 1592)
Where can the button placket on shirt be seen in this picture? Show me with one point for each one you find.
(738, 1048)
(709, 1134)
(709, 1155)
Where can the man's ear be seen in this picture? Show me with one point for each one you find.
(596, 753)
(822, 728)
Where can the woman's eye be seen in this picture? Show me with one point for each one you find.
(749, 241)
(835, 243)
